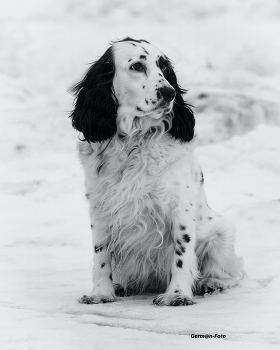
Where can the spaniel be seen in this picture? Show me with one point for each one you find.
(152, 228)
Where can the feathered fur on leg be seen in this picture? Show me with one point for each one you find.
(219, 267)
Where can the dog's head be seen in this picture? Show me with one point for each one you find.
(133, 79)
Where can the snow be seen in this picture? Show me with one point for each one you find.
(227, 55)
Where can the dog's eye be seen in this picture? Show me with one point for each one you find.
(138, 67)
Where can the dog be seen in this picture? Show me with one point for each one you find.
(152, 229)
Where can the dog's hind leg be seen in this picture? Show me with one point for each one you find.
(218, 265)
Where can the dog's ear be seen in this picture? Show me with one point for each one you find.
(95, 106)
(183, 120)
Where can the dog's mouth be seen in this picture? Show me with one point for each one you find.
(126, 119)
(162, 108)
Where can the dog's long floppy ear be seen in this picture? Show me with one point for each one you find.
(95, 108)
(183, 120)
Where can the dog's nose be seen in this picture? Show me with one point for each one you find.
(168, 93)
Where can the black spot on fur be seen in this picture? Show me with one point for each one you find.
(191, 205)
(102, 265)
(180, 246)
(210, 218)
(176, 291)
(158, 95)
(186, 209)
(139, 109)
(146, 52)
(186, 238)
(143, 86)
(129, 60)
(147, 102)
(179, 263)
(91, 226)
(111, 277)
(182, 227)
(178, 252)
(98, 249)
(143, 57)
(87, 195)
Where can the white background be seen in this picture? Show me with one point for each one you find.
(227, 54)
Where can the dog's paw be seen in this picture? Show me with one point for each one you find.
(96, 299)
(121, 292)
(214, 285)
(173, 299)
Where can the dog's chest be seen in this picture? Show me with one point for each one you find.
(142, 178)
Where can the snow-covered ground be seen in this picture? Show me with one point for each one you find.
(227, 54)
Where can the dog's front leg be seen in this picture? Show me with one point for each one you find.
(103, 290)
(184, 266)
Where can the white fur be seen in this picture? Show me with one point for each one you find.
(145, 192)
